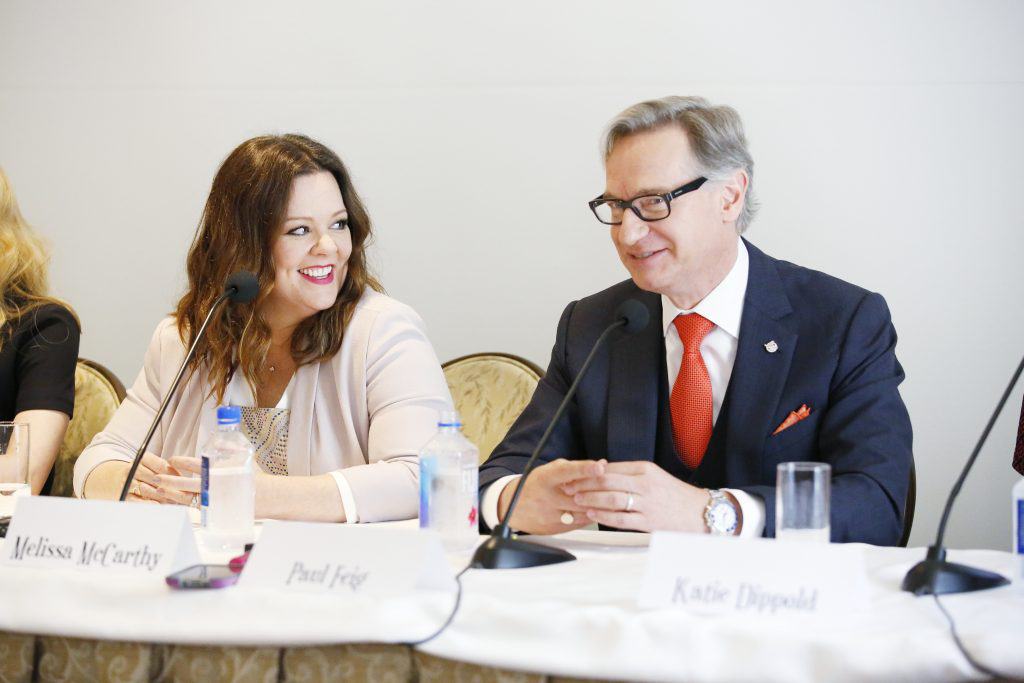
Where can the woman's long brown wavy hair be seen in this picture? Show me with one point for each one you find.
(239, 224)
(24, 259)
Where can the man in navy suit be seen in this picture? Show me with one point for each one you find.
(748, 362)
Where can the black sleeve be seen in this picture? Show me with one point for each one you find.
(45, 364)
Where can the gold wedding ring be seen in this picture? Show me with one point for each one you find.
(567, 518)
(137, 490)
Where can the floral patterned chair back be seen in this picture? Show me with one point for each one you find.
(98, 393)
(489, 391)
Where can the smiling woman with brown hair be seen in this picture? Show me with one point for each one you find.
(338, 384)
(38, 342)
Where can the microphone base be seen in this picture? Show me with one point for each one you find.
(934, 576)
(512, 553)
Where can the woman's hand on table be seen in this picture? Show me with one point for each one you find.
(146, 488)
(181, 487)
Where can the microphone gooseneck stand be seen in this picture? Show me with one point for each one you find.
(239, 288)
(934, 575)
(503, 550)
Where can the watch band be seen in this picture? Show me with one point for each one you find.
(716, 498)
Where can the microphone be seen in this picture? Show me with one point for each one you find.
(505, 551)
(933, 575)
(239, 288)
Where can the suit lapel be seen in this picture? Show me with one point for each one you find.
(633, 387)
(759, 374)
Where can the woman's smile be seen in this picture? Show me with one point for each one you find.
(318, 275)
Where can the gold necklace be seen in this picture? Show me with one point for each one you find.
(272, 368)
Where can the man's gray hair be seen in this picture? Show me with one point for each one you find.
(715, 134)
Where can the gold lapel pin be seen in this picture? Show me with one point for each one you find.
(771, 346)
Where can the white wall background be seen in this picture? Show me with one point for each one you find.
(887, 137)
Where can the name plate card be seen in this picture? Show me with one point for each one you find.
(346, 560)
(763, 577)
(66, 533)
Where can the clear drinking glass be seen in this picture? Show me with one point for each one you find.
(13, 465)
(802, 502)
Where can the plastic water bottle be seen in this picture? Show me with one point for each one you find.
(448, 485)
(227, 498)
(1018, 530)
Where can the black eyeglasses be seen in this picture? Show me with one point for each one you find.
(649, 207)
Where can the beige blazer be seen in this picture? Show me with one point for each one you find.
(368, 410)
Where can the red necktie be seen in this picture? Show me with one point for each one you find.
(690, 402)
(1018, 452)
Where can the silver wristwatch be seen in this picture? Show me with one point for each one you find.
(720, 514)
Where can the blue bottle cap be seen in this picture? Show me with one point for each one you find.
(449, 418)
(228, 415)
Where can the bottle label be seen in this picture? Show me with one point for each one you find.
(470, 477)
(1020, 527)
(427, 466)
(204, 489)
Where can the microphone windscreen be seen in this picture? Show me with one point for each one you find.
(241, 287)
(635, 314)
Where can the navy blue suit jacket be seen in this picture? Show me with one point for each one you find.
(836, 353)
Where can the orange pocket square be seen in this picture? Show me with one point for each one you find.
(793, 418)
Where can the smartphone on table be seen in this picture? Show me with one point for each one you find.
(203, 576)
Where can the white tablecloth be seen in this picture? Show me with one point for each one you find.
(578, 619)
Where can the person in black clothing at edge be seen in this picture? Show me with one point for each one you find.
(38, 343)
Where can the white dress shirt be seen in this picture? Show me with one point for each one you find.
(724, 307)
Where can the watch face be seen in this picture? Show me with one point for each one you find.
(722, 518)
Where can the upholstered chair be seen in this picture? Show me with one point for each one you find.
(98, 393)
(490, 390)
